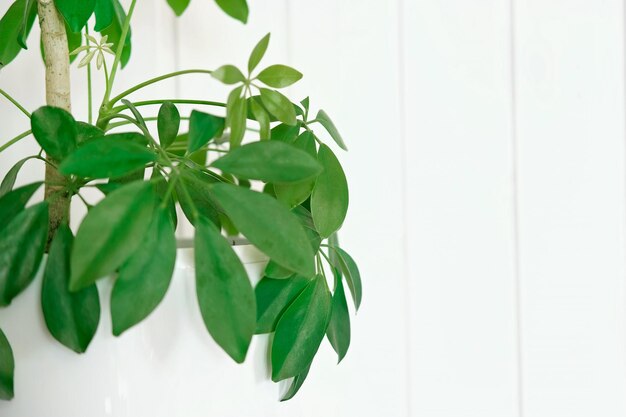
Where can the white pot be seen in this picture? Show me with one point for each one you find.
(168, 365)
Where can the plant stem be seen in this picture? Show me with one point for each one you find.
(54, 40)
(15, 103)
(89, 91)
(15, 140)
(173, 101)
(118, 52)
(154, 80)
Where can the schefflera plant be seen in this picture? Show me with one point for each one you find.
(282, 188)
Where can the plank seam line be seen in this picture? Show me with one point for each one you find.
(401, 85)
(515, 215)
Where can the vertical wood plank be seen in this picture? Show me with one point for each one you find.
(460, 212)
(570, 104)
(348, 52)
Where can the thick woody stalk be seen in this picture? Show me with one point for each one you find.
(54, 39)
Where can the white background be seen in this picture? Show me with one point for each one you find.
(486, 171)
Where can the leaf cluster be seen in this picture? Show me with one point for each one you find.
(279, 186)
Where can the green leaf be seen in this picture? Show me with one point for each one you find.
(14, 201)
(144, 278)
(86, 132)
(202, 128)
(114, 32)
(269, 161)
(338, 331)
(7, 368)
(346, 264)
(193, 193)
(72, 318)
(258, 52)
(329, 200)
(22, 244)
(295, 194)
(261, 115)
(178, 6)
(168, 123)
(105, 12)
(55, 131)
(76, 12)
(328, 124)
(278, 105)
(300, 331)
(111, 232)
(296, 384)
(107, 157)
(237, 111)
(276, 271)
(279, 76)
(30, 11)
(285, 133)
(273, 296)
(14, 28)
(225, 295)
(9, 180)
(268, 225)
(228, 74)
(237, 9)
(309, 228)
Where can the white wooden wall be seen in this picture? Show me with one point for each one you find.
(486, 165)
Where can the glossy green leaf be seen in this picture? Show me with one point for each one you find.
(328, 124)
(279, 76)
(305, 218)
(273, 296)
(268, 225)
(237, 9)
(338, 331)
(296, 384)
(14, 201)
(7, 368)
(55, 131)
(107, 157)
(178, 6)
(225, 295)
(305, 104)
(105, 12)
(9, 179)
(296, 193)
(278, 105)
(111, 232)
(14, 27)
(161, 186)
(193, 193)
(22, 244)
(276, 271)
(285, 133)
(300, 331)
(329, 200)
(269, 161)
(30, 12)
(228, 74)
(71, 317)
(76, 12)
(85, 132)
(202, 128)
(258, 52)
(236, 119)
(114, 32)
(261, 115)
(144, 278)
(350, 271)
(168, 123)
